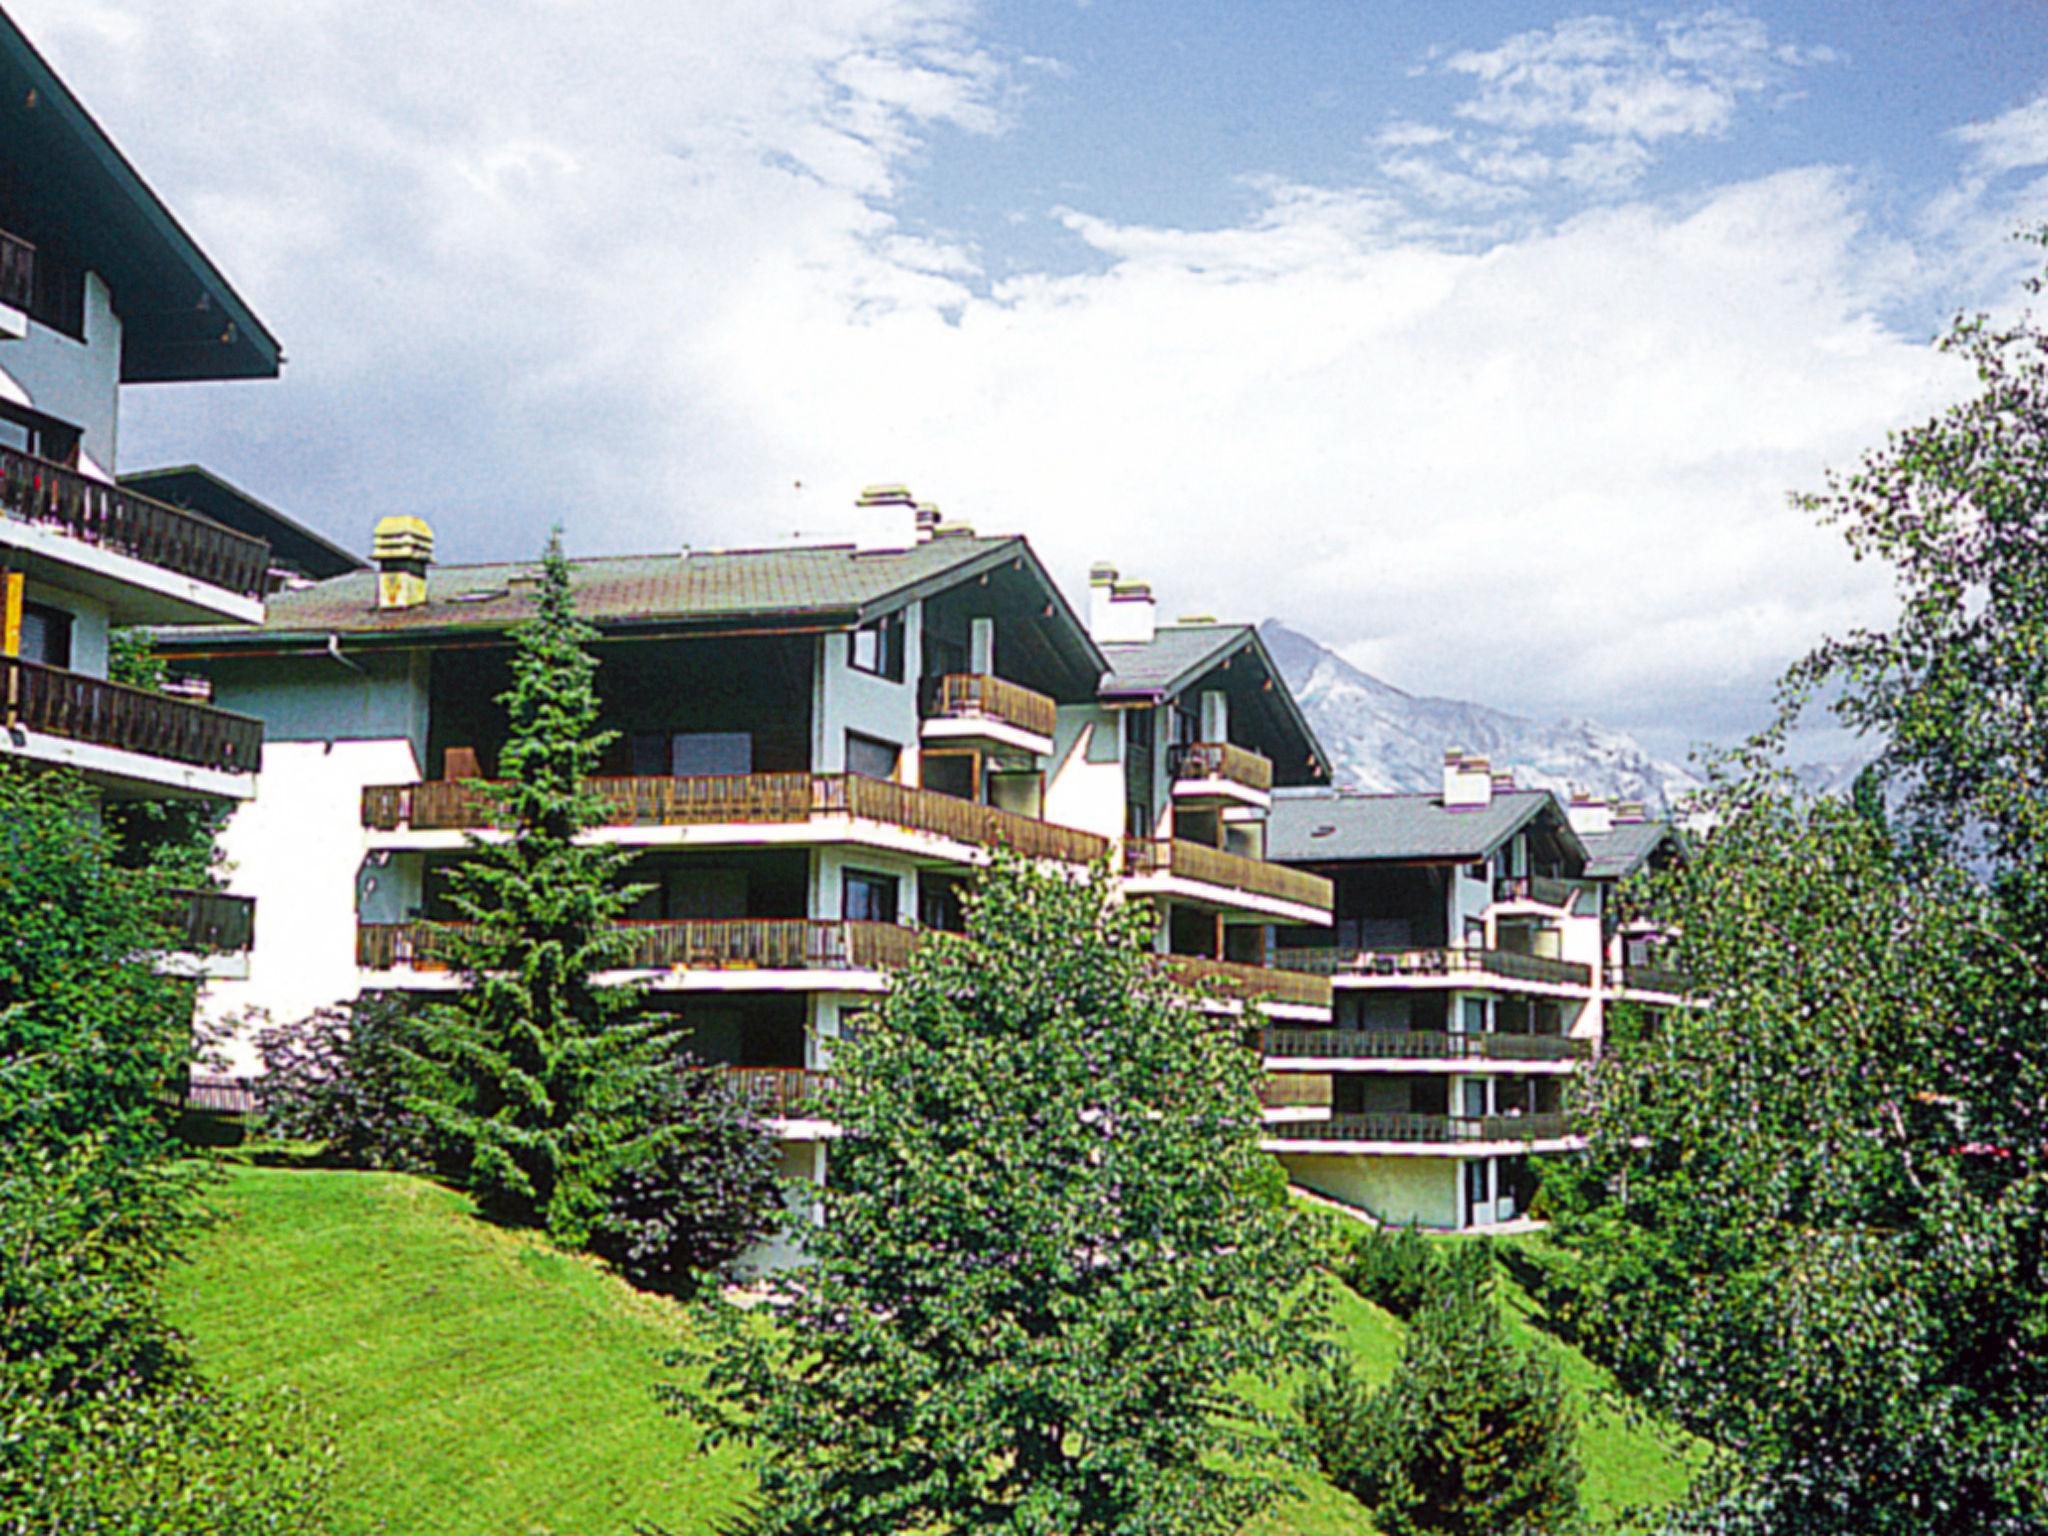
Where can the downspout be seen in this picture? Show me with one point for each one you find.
(334, 650)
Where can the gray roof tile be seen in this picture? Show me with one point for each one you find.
(1318, 826)
(1617, 854)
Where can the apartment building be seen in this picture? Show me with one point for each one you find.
(816, 748)
(1477, 946)
(101, 289)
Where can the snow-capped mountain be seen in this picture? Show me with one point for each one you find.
(1383, 739)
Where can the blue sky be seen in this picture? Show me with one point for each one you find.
(1483, 341)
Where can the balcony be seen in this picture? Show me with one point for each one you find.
(818, 802)
(1217, 773)
(1458, 967)
(1252, 983)
(974, 709)
(49, 496)
(1198, 873)
(729, 948)
(1648, 978)
(213, 922)
(17, 272)
(1422, 1045)
(790, 1099)
(1434, 1130)
(94, 713)
(1539, 890)
(1296, 1096)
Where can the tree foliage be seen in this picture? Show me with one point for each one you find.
(1049, 1242)
(536, 1066)
(1392, 1267)
(1814, 1224)
(1473, 1436)
(348, 1077)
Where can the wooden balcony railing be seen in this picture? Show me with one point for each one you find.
(37, 491)
(1432, 1128)
(17, 271)
(978, 696)
(1220, 760)
(1212, 866)
(751, 799)
(1251, 983)
(1422, 1045)
(1295, 1090)
(1473, 964)
(782, 1093)
(1545, 890)
(1648, 978)
(91, 709)
(711, 944)
(213, 922)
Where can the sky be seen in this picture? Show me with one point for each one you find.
(1482, 342)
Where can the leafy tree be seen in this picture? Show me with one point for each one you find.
(1472, 1437)
(346, 1077)
(1049, 1243)
(1814, 1223)
(537, 1066)
(178, 838)
(700, 1191)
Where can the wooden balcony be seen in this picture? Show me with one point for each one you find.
(213, 922)
(1203, 865)
(1648, 978)
(1543, 890)
(1423, 1128)
(751, 799)
(738, 944)
(1473, 967)
(1421, 1045)
(779, 1093)
(93, 710)
(17, 272)
(1295, 1090)
(49, 495)
(978, 696)
(1251, 983)
(1219, 761)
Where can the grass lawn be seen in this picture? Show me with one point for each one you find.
(482, 1383)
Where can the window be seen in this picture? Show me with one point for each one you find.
(1480, 871)
(30, 431)
(45, 635)
(949, 773)
(1475, 1015)
(1476, 1187)
(870, 756)
(878, 648)
(867, 898)
(685, 754)
(1475, 1098)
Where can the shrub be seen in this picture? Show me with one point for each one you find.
(1393, 1267)
(698, 1191)
(342, 1076)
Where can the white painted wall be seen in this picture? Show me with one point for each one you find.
(847, 699)
(75, 381)
(1396, 1190)
(89, 623)
(1084, 787)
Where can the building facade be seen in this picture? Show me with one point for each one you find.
(1478, 947)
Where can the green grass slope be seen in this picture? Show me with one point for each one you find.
(480, 1382)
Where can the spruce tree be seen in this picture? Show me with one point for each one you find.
(535, 1067)
(1472, 1437)
(1050, 1247)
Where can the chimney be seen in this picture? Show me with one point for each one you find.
(896, 499)
(403, 548)
(1630, 812)
(1504, 781)
(1468, 782)
(1590, 813)
(1119, 612)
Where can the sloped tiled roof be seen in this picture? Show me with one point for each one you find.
(835, 583)
(1314, 826)
(1176, 656)
(1617, 854)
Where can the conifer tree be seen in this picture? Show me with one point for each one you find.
(535, 1067)
(1472, 1437)
(1050, 1243)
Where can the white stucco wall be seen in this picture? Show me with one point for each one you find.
(1396, 1190)
(1084, 787)
(75, 381)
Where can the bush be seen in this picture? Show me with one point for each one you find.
(699, 1191)
(343, 1077)
(1393, 1267)
(1472, 1437)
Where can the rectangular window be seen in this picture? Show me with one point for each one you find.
(867, 898)
(1475, 1015)
(871, 757)
(1476, 1188)
(1480, 871)
(878, 648)
(1475, 1099)
(45, 635)
(950, 773)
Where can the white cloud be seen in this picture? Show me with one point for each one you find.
(641, 273)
